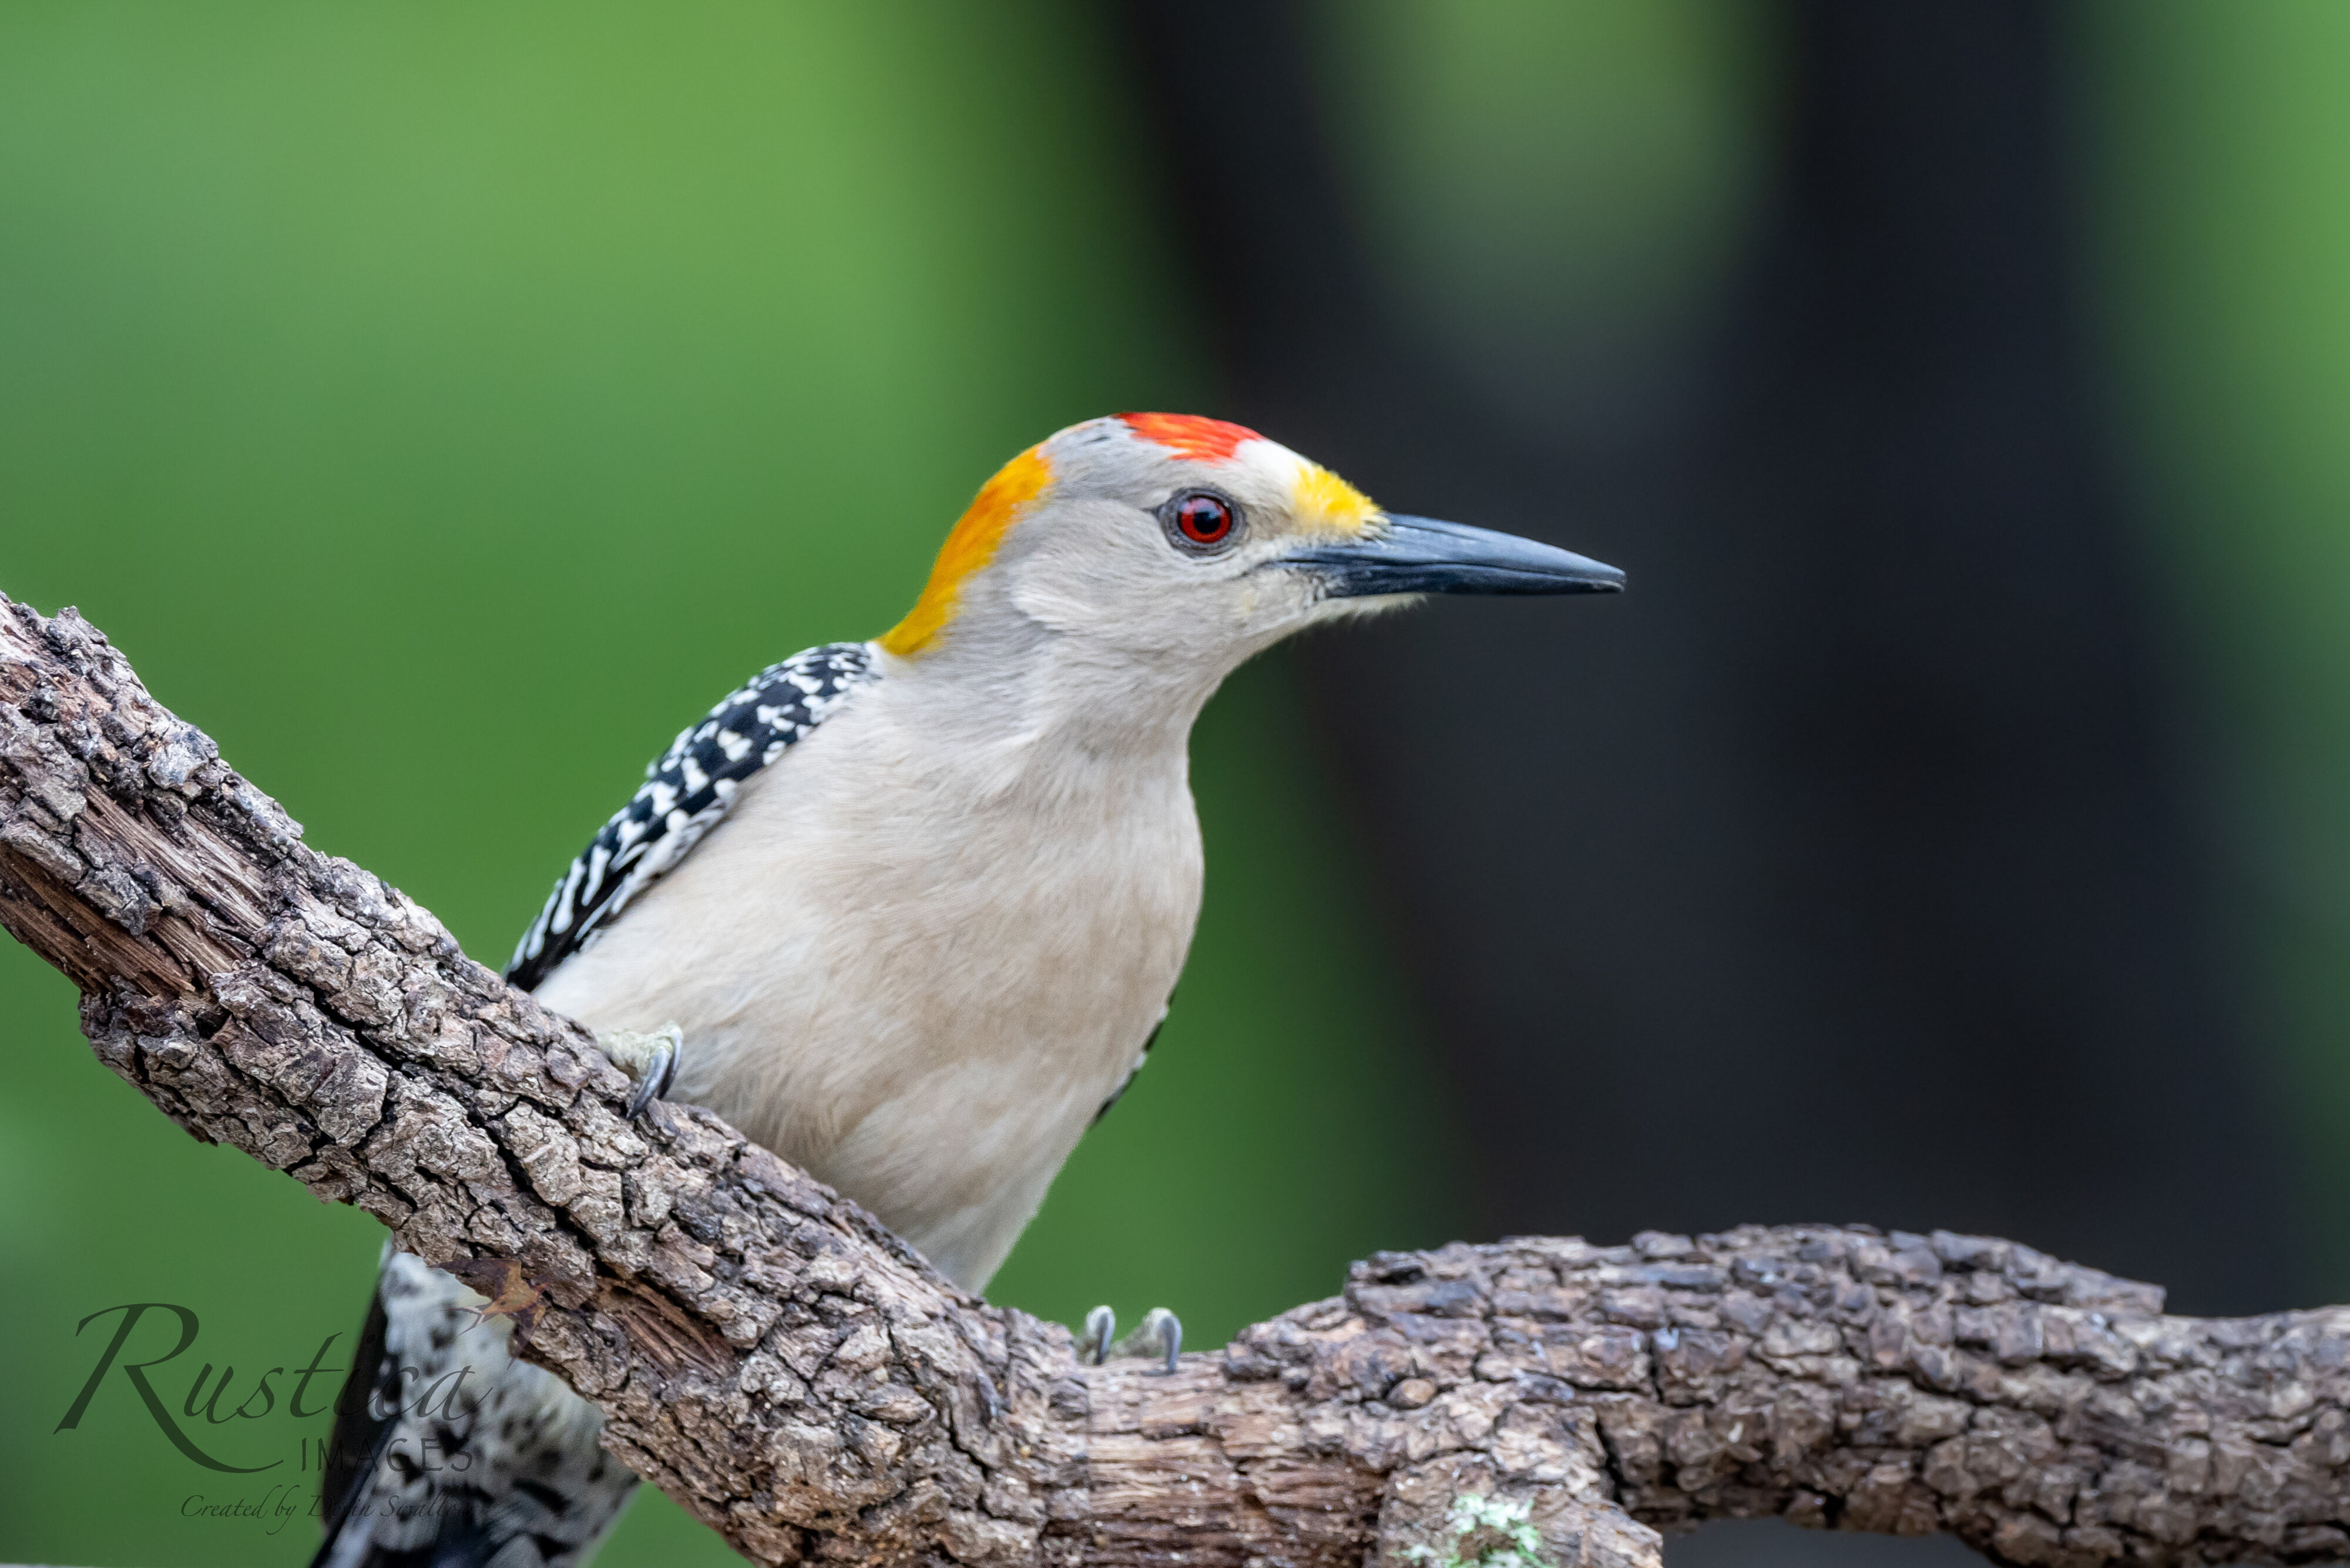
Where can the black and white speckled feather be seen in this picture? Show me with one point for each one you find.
(450, 1453)
(687, 791)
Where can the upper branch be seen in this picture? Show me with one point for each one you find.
(806, 1384)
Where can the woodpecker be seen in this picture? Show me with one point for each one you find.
(908, 912)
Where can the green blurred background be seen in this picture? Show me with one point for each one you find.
(441, 403)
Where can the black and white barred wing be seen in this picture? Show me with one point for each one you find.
(687, 791)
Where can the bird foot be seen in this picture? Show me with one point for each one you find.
(1160, 1335)
(649, 1058)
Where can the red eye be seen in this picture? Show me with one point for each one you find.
(1202, 519)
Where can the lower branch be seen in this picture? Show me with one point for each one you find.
(796, 1378)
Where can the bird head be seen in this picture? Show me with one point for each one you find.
(1177, 546)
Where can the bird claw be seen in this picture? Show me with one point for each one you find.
(1160, 1335)
(649, 1058)
(1161, 1331)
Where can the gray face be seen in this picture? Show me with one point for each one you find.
(1204, 561)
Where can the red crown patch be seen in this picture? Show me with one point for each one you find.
(1189, 434)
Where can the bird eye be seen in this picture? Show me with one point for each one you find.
(1200, 520)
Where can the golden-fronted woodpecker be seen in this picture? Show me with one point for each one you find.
(907, 911)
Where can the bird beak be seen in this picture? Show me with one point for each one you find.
(1422, 555)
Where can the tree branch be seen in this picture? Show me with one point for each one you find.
(804, 1382)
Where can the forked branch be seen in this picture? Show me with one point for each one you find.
(800, 1380)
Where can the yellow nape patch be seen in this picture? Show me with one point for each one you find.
(1326, 503)
(970, 547)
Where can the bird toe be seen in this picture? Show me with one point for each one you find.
(1094, 1344)
(1159, 1335)
(649, 1058)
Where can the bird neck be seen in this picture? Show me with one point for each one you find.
(1046, 693)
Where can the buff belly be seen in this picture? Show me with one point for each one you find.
(922, 995)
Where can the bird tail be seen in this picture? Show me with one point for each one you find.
(448, 1452)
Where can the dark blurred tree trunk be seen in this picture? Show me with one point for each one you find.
(1856, 814)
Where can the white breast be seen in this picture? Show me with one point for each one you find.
(918, 955)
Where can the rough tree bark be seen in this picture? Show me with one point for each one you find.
(772, 1358)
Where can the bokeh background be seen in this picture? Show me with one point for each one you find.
(442, 402)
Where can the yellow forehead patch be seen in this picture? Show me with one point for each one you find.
(1326, 503)
(970, 547)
